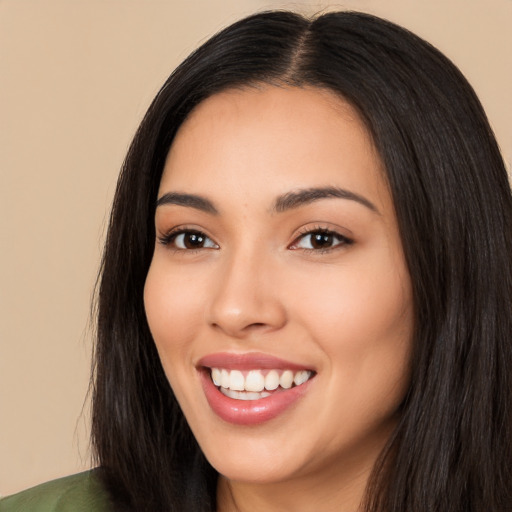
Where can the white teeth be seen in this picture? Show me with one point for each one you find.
(272, 380)
(254, 381)
(224, 378)
(244, 395)
(286, 379)
(301, 377)
(216, 373)
(236, 380)
(254, 384)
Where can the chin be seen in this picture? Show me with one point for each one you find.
(254, 471)
(255, 459)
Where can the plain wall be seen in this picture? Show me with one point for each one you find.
(75, 80)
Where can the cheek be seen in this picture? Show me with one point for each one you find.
(172, 302)
(356, 305)
(362, 319)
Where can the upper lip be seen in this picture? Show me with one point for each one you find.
(248, 361)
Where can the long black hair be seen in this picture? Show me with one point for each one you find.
(452, 448)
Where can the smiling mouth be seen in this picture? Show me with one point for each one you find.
(256, 384)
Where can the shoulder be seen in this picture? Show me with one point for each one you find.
(76, 493)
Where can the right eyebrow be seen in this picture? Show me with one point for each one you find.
(188, 200)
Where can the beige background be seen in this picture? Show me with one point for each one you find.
(75, 79)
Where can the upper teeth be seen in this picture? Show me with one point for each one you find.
(256, 380)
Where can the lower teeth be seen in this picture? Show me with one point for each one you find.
(243, 395)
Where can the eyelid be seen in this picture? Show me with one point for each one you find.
(167, 238)
(170, 235)
(344, 240)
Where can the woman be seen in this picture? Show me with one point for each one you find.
(305, 297)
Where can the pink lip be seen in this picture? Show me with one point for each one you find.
(249, 412)
(248, 361)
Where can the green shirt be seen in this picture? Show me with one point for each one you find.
(77, 493)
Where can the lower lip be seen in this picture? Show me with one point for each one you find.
(250, 412)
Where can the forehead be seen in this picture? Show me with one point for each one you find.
(274, 139)
(258, 101)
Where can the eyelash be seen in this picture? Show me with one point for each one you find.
(342, 240)
(170, 238)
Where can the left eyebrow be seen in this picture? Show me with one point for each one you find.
(305, 196)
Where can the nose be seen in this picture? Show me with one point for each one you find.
(246, 297)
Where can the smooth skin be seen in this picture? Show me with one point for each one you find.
(320, 281)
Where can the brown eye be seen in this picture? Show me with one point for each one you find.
(320, 240)
(192, 240)
(189, 240)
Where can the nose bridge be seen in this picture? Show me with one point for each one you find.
(245, 298)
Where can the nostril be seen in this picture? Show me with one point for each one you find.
(247, 314)
(256, 326)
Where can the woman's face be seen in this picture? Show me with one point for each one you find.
(278, 296)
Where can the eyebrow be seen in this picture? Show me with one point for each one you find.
(305, 196)
(189, 200)
(283, 203)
